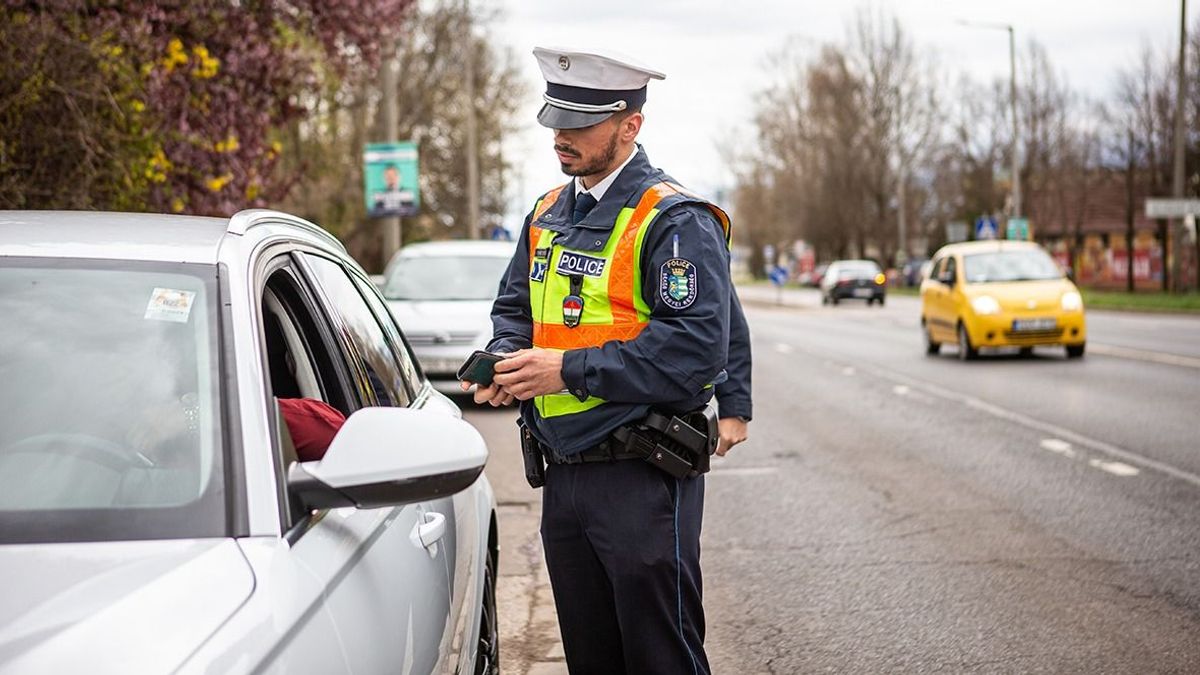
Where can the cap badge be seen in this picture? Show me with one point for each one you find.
(564, 63)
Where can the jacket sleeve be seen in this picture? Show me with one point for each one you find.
(512, 323)
(684, 346)
(733, 395)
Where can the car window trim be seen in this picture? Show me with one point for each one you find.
(365, 286)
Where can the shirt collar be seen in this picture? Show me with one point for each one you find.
(600, 188)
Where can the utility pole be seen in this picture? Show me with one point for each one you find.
(472, 128)
(1177, 185)
(1016, 142)
(391, 122)
(1012, 96)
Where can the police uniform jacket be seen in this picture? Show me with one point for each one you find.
(670, 364)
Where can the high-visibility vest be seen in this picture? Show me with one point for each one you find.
(613, 307)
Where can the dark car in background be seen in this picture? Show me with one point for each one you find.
(853, 279)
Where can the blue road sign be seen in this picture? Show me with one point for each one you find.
(985, 228)
(778, 275)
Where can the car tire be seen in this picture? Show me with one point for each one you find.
(487, 656)
(965, 351)
(834, 300)
(1026, 352)
(870, 301)
(932, 348)
(1076, 351)
(824, 299)
(881, 299)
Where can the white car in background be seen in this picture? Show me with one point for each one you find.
(441, 293)
(161, 513)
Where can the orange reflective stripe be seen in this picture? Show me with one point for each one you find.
(547, 202)
(722, 217)
(624, 263)
(535, 235)
(559, 336)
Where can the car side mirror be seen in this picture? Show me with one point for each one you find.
(390, 457)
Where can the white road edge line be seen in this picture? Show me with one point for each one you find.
(1144, 355)
(1030, 422)
(1115, 468)
(900, 389)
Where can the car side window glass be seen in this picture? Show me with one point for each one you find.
(935, 272)
(384, 375)
(399, 345)
(949, 268)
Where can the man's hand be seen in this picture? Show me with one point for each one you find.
(491, 394)
(732, 431)
(531, 372)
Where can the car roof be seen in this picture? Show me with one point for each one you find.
(987, 246)
(133, 236)
(458, 247)
(854, 263)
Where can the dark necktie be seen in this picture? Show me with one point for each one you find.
(583, 203)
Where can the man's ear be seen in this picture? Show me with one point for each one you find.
(631, 126)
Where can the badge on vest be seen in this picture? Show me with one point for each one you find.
(537, 271)
(677, 283)
(572, 310)
(543, 252)
(573, 263)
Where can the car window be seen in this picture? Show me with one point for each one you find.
(382, 370)
(445, 277)
(400, 346)
(948, 269)
(111, 395)
(935, 272)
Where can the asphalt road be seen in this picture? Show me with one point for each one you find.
(894, 512)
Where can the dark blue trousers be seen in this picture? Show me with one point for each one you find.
(622, 542)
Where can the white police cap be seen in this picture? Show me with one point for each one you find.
(587, 86)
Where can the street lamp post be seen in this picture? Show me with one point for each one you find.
(1012, 94)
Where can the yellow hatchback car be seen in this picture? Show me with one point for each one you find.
(1000, 294)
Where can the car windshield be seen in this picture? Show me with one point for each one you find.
(1019, 265)
(445, 278)
(109, 386)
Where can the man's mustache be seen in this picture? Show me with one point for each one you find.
(566, 150)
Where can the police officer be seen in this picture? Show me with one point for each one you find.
(618, 302)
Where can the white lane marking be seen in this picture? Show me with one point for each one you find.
(1144, 355)
(743, 471)
(900, 389)
(1057, 445)
(848, 371)
(1024, 420)
(1115, 468)
(784, 348)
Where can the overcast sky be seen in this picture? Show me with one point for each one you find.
(713, 54)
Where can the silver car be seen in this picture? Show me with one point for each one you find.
(158, 512)
(442, 293)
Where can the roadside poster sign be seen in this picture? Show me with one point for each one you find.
(1018, 228)
(956, 232)
(1172, 208)
(985, 228)
(390, 179)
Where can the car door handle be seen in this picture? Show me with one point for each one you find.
(430, 529)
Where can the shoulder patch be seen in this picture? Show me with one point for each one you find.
(677, 283)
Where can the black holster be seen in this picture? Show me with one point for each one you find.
(681, 445)
(531, 454)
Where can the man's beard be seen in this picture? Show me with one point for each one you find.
(599, 165)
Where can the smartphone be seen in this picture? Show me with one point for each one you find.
(479, 368)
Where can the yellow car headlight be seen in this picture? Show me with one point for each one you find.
(1072, 301)
(984, 305)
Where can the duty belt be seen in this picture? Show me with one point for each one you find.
(672, 443)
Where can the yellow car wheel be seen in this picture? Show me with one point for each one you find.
(965, 351)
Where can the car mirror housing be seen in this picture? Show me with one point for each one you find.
(389, 457)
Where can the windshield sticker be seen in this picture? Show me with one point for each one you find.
(168, 304)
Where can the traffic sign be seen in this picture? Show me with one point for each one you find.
(985, 228)
(1018, 228)
(778, 275)
(1172, 208)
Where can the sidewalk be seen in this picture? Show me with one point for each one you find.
(529, 637)
(788, 296)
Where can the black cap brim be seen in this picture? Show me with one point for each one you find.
(559, 118)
